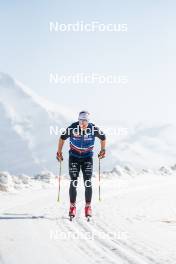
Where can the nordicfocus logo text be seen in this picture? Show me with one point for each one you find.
(81, 26)
(110, 131)
(87, 78)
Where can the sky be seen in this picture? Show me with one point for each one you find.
(29, 52)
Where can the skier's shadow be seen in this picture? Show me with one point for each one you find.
(9, 216)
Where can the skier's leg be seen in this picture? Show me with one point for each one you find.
(87, 169)
(74, 168)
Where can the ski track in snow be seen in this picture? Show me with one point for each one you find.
(114, 250)
(25, 235)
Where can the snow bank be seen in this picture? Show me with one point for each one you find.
(46, 178)
(165, 170)
(129, 172)
(6, 182)
(10, 182)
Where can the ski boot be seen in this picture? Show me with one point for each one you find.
(88, 211)
(72, 211)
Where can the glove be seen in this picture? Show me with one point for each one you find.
(59, 156)
(101, 154)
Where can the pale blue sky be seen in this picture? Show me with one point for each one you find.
(29, 52)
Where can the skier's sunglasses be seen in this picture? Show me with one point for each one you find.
(83, 121)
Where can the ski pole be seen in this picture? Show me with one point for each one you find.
(99, 180)
(60, 167)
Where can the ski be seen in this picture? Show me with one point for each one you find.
(71, 217)
(88, 218)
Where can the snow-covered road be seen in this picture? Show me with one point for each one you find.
(134, 223)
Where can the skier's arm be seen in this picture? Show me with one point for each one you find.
(100, 134)
(59, 155)
(103, 144)
(102, 152)
(102, 137)
(62, 139)
(60, 145)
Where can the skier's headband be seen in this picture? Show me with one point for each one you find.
(84, 116)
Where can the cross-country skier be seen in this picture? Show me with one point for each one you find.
(82, 136)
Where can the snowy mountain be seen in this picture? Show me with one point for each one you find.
(28, 147)
(146, 146)
(26, 143)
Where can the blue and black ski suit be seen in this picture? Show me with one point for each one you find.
(80, 156)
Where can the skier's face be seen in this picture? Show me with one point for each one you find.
(83, 124)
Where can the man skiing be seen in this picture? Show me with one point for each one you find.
(82, 136)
